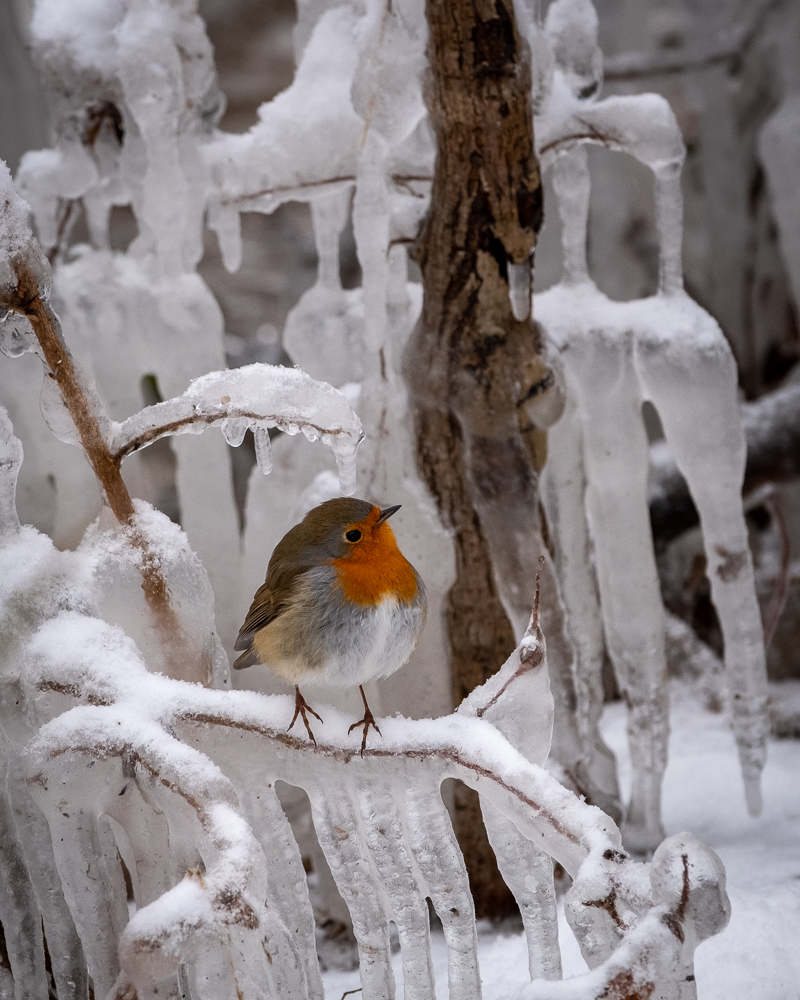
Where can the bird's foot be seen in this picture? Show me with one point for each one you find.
(367, 722)
(301, 706)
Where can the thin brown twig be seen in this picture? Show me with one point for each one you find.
(530, 657)
(288, 188)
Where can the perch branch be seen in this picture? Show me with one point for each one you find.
(255, 396)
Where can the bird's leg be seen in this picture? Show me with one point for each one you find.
(366, 722)
(300, 708)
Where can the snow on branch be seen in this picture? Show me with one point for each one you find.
(254, 397)
(238, 910)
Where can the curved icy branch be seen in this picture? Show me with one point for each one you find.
(252, 397)
(160, 733)
(106, 668)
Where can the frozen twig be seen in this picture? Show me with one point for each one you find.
(255, 396)
(379, 817)
(25, 272)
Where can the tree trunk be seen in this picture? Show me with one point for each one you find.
(475, 371)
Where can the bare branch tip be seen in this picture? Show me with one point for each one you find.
(535, 615)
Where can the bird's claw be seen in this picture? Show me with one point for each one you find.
(301, 706)
(366, 722)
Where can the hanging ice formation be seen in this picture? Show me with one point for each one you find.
(384, 151)
(132, 95)
(353, 125)
(112, 769)
(616, 355)
(131, 774)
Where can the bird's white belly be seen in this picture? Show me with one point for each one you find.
(381, 643)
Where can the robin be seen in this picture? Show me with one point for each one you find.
(341, 605)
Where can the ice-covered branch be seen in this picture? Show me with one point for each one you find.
(148, 746)
(255, 397)
(24, 288)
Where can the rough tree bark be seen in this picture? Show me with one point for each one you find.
(474, 370)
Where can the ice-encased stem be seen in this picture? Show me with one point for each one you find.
(572, 187)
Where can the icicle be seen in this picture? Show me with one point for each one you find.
(98, 905)
(345, 453)
(572, 187)
(341, 839)
(519, 289)
(234, 430)
(383, 831)
(263, 450)
(563, 495)
(528, 872)
(441, 863)
(227, 224)
(669, 220)
(19, 914)
(779, 151)
(63, 943)
(371, 217)
(693, 384)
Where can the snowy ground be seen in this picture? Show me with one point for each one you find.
(758, 956)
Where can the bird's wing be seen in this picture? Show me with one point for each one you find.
(262, 612)
(267, 605)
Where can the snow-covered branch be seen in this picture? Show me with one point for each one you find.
(148, 743)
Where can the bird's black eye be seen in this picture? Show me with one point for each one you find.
(353, 536)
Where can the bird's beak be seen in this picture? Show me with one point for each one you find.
(387, 512)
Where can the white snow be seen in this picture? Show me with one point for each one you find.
(757, 954)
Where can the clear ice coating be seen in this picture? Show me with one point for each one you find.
(616, 355)
(176, 782)
(220, 893)
(351, 134)
(167, 786)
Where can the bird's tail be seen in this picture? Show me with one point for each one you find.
(248, 659)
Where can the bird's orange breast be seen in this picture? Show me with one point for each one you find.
(376, 569)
